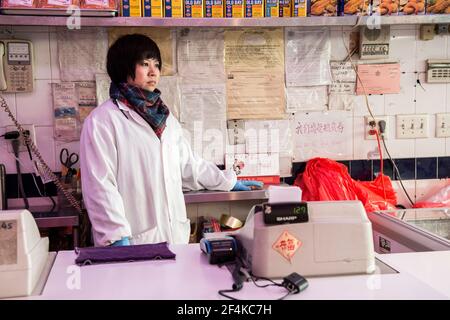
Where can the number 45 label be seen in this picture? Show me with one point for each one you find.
(8, 242)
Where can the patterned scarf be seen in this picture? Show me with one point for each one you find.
(146, 103)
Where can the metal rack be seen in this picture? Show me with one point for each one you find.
(224, 22)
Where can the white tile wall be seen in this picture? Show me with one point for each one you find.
(403, 48)
(430, 49)
(46, 145)
(36, 107)
(427, 188)
(402, 198)
(10, 100)
(41, 50)
(376, 103)
(403, 102)
(54, 63)
(398, 148)
(431, 98)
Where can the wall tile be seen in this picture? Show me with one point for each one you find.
(46, 146)
(376, 103)
(402, 198)
(443, 167)
(41, 50)
(430, 147)
(426, 168)
(430, 97)
(403, 48)
(54, 63)
(36, 107)
(426, 188)
(361, 170)
(10, 99)
(403, 102)
(398, 148)
(430, 49)
(388, 169)
(406, 168)
(361, 147)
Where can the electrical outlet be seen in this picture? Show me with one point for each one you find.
(411, 126)
(368, 127)
(443, 125)
(22, 148)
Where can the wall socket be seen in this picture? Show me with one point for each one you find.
(411, 126)
(443, 125)
(22, 147)
(368, 127)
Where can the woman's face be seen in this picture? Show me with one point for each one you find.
(146, 75)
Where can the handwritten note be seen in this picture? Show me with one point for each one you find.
(322, 134)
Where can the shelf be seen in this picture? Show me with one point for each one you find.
(222, 22)
(219, 196)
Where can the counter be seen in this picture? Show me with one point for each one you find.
(190, 277)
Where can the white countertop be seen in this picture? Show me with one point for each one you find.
(191, 277)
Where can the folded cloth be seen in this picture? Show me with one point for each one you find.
(98, 255)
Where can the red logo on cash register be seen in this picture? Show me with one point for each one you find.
(287, 245)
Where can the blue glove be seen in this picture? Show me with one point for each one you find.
(124, 242)
(245, 185)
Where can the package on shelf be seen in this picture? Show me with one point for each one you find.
(193, 8)
(438, 7)
(272, 8)
(299, 8)
(19, 3)
(410, 7)
(385, 7)
(98, 4)
(152, 8)
(49, 4)
(131, 8)
(173, 8)
(254, 8)
(284, 8)
(359, 7)
(234, 8)
(324, 8)
(214, 8)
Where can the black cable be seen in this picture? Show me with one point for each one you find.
(396, 170)
(15, 145)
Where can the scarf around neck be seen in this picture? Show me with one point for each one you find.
(148, 104)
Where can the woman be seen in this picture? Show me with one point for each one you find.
(134, 158)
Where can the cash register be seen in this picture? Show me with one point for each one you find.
(23, 253)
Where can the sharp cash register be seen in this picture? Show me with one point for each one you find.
(309, 238)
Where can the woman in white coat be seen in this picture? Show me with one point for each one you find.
(134, 158)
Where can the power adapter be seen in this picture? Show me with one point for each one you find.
(295, 283)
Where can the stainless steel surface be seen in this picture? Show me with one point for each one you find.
(216, 196)
(224, 22)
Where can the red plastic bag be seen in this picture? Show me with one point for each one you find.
(328, 180)
(438, 200)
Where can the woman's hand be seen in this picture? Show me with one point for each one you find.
(247, 185)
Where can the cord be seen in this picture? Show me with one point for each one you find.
(36, 152)
(381, 164)
(15, 145)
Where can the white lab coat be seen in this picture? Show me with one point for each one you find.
(132, 181)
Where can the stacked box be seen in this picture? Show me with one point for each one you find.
(359, 7)
(272, 8)
(254, 8)
(152, 8)
(385, 7)
(173, 8)
(234, 8)
(131, 8)
(214, 8)
(324, 7)
(299, 8)
(436, 7)
(193, 8)
(285, 8)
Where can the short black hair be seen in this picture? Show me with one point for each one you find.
(126, 52)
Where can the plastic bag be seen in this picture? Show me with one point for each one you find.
(328, 180)
(438, 200)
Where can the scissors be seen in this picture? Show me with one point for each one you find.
(68, 160)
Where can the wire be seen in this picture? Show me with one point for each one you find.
(396, 171)
(15, 145)
(381, 165)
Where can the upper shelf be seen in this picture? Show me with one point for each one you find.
(23, 20)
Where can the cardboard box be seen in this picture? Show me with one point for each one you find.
(299, 8)
(324, 8)
(131, 8)
(407, 7)
(272, 8)
(214, 8)
(152, 8)
(173, 8)
(234, 8)
(285, 8)
(434, 7)
(254, 8)
(193, 9)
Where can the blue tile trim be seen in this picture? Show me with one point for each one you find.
(426, 168)
(406, 168)
(388, 169)
(443, 167)
(361, 170)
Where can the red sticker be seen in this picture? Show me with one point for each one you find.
(287, 245)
